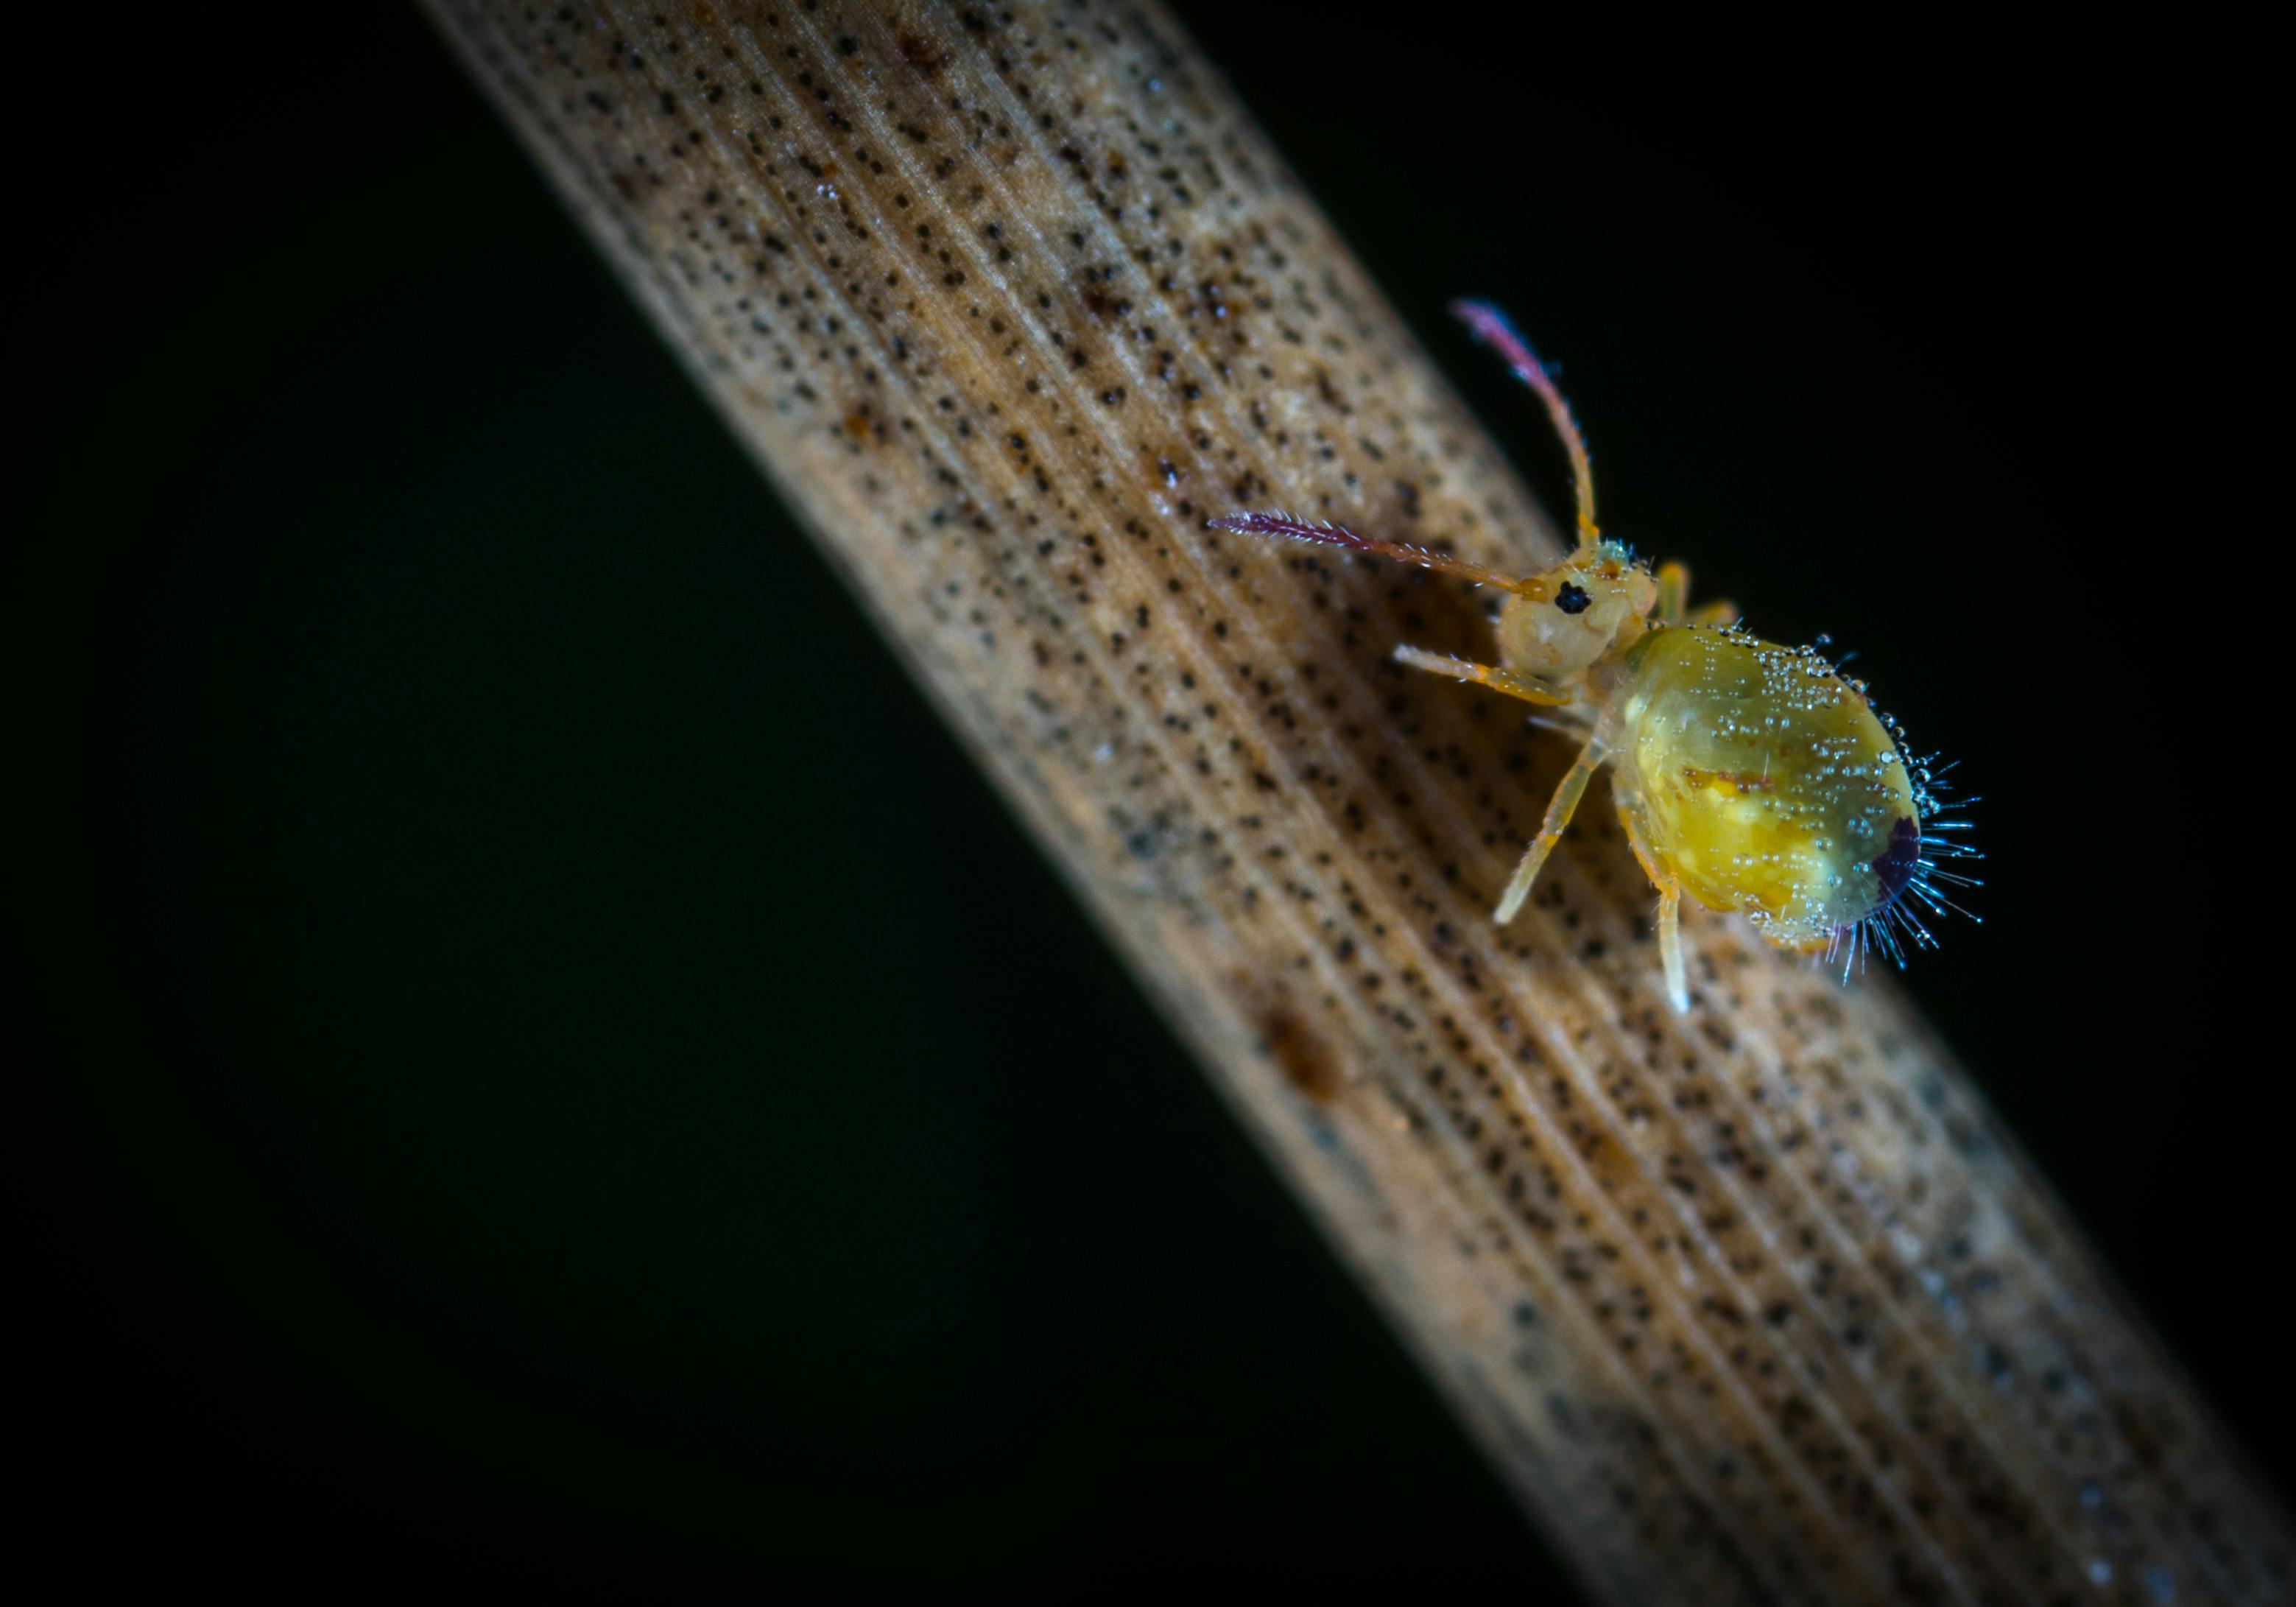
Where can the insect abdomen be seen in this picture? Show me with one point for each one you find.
(1763, 782)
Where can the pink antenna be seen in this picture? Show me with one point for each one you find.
(1339, 536)
(1488, 324)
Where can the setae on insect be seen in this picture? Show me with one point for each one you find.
(1754, 777)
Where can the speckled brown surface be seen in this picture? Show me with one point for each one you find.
(1752, 1305)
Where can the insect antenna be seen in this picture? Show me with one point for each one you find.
(1489, 326)
(1340, 536)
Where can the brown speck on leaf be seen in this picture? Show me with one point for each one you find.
(1302, 1057)
(921, 53)
(1305, 1060)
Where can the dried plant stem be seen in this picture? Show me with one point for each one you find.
(1754, 1305)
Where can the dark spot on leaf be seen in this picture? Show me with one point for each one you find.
(1305, 1060)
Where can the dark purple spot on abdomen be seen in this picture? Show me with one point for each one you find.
(1897, 863)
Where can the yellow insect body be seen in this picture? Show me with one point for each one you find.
(1754, 777)
(1761, 782)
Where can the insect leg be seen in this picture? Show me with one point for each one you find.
(1530, 689)
(1673, 593)
(1559, 810)
(1669, 947)
(1670, 903)
(1674, 601)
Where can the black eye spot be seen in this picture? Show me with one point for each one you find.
(1572, 600)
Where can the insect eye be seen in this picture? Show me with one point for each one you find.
(1572, 599)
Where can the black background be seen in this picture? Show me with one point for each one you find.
(540, 1039)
